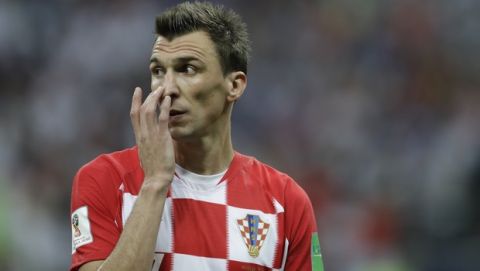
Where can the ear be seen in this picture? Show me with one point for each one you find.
(237, 82)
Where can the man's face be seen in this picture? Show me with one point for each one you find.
(189, 69)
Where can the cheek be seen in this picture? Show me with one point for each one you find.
(155, 84)
(194, 89)
(203, 89)
(188, 84)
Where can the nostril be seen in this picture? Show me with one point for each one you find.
(170, 91)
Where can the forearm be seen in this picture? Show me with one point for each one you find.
(135, 248)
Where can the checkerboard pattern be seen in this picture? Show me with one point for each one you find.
(236, 224)
(206, 231)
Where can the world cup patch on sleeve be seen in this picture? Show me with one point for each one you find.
(81, 232)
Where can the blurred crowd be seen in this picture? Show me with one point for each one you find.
(373, 106)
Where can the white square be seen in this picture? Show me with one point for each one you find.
(81, 232)
(217, 195)
(237, 248)
(127, 206)
(183, 262)
(165, 233)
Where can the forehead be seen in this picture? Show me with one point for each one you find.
(196, 44)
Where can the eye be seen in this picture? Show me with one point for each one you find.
(189, 69)
(157, 70)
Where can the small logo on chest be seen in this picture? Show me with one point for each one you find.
(254, 231)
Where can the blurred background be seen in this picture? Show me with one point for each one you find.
(373, 106)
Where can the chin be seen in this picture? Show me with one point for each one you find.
(180, 133)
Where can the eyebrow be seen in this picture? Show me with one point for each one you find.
(176, 60)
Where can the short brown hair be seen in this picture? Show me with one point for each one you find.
(225, 27)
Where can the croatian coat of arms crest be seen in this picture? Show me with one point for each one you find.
(254, 231)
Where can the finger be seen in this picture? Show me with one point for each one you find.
(135, 110)
(165, 110)
(148, 113)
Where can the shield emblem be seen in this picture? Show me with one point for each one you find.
(254, 231)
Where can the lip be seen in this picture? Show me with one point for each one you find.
(176, 114)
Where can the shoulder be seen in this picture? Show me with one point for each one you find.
(282, 186)
(266, 173)
(121, 162)
(107, 169)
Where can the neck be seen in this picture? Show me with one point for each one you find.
(207, 155)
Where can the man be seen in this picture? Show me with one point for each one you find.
(183, 199)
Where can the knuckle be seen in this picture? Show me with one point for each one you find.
(163, 117)
(133, 112)
(150, 111)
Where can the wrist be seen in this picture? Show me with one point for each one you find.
(157, 185)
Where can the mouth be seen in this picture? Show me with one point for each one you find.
(174, 112)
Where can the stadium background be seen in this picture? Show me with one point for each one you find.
(373, 106)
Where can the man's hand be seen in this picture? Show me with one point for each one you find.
(155, 144)
(135, 248)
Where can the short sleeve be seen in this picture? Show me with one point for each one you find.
(95, 230)
(301, 230)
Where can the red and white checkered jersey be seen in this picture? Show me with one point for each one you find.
(255, 218)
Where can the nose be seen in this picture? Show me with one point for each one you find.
(170, 85)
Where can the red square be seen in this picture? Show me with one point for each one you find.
(234, 265)
(245, 193)
(200, 228)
